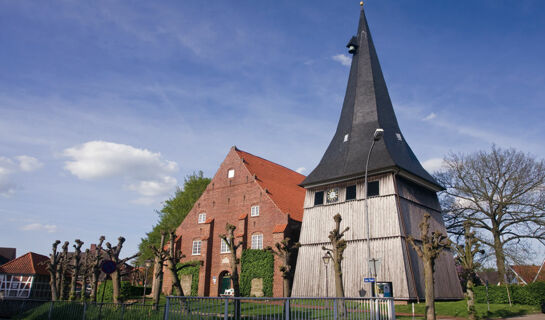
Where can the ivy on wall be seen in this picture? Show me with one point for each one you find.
(256, 264)
(192, 268)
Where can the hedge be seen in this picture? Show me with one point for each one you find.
(256, 264)
(532, 294)
(127, 291)
(192, 268)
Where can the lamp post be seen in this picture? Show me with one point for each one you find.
(147, 264)
(326, 258)
(376, 137)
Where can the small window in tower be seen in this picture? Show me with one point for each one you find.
(318, 198)
(373, 189)
(351, 192)
(231, 173)
(345, 137)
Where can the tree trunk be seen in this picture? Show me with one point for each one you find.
(157, 283)
(430, 290)
(339, 288)
(116, 284)
(470, 300)
(53, 285)
(175, 279)
(74, 283)
(500, 256)
(94, 286)
(287, 287)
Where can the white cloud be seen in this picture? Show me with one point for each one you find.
(8, 168)
(27, 163)
(430, 117)
(50, 228)
(301, 170)
(433, 164)
(342, 59)
(143, 171)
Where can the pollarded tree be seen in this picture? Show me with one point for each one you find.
(501, 192)
(113, 254)
(52, 265)
(75, 267)
(96, 263)
(159, 260)
(428, 249)
(234, 262)
(465, 256)
(62, 270)
(336, 254)
(285, 250)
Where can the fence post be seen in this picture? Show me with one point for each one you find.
(335, 308)
(287, 308)
(84, 310)
(50, 310)
(392, 310)
(122, 311)
(226, 309)
(167, 309)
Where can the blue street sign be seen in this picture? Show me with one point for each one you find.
(368, 279)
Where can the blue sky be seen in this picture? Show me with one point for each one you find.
(105, 106)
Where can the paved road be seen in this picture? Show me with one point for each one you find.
(539, 316)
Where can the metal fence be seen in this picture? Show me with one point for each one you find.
(70, 310)
(221, 308)
(227, 308)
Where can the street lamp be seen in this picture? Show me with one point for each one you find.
(377, 135)
(147, 264)
(326, 258)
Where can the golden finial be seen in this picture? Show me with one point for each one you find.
(361, 3)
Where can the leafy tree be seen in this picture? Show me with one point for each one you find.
(173, 213)
(502, 193)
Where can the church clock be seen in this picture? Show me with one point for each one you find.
(332, 195)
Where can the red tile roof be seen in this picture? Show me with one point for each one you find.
(279, 228)
(281, 183)
(528, 273)
(30, 263)
(242, 216)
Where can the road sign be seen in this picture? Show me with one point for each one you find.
(108, 266)
(368, 280)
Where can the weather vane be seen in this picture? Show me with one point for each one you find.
(361, 3)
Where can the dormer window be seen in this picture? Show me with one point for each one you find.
(231, 173)
(202, 217)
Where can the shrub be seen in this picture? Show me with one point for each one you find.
(532, 294)
(256, 264)
(127, 291)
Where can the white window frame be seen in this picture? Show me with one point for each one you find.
(202, 217)
(257, 241)
(224, 248)
(254, 211)
(196, 248)
(231, 173)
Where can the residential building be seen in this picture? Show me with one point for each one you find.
(261, 198)
(25, 277)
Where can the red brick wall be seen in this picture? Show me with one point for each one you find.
(225, 200)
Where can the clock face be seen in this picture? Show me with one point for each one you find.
(332, 195)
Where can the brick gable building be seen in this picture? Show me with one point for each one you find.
(261, 198)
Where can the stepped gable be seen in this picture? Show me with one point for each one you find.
(281, 183)
(367, 106)
(30, 263)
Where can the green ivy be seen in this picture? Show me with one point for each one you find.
(256, 264)
(192, 268)
(532, 294)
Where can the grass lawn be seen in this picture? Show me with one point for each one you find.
(459, 309)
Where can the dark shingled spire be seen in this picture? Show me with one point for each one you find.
(366, 107)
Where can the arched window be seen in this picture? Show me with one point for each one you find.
(257, 241)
